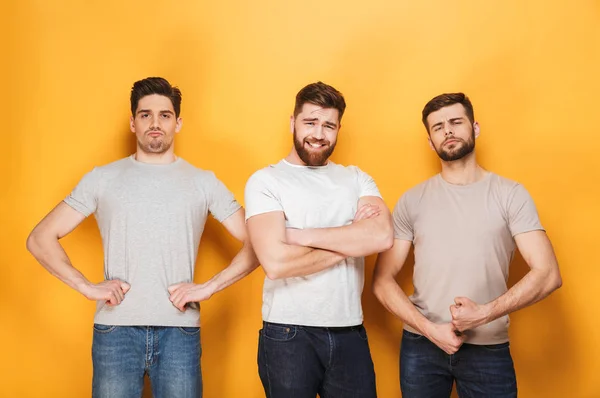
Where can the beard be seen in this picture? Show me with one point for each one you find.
(460, 149)
(157, 145)
(316, 157)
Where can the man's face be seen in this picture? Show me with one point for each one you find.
(155, 124)
(315, 133)
(451, 133)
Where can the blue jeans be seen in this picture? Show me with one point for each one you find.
(121, 355)
(303, 361)
(426, 371)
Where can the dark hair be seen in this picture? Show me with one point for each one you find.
(320, 94)
(155, 85)
(444, 100)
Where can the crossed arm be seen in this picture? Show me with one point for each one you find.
(288, 253)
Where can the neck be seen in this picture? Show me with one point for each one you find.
(155, 158)
(464, 171)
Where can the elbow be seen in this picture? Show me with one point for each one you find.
(556, 281)
(386, 240)
(273, 269)
(378, 287)
(32, 242)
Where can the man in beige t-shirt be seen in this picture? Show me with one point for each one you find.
(465, 224)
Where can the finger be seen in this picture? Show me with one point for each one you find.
(125, 287)
(180, 303)
(111, 300)
(118, 294)
(361, 211)
(174, 287)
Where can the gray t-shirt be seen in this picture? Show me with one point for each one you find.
(463, 237)
(312, 197)
(151, 218)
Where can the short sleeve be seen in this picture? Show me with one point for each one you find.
(260, 195)
(403, 227)
(84, 197)
(221, 202)
(366, 184)
(522, 213)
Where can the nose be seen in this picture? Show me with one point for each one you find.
(318, 133)
(448, 129)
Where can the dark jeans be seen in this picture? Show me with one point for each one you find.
(121, 355)
(479, 370)
(303, 361)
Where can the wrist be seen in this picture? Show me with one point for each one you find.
(426, 327)
(487, 311)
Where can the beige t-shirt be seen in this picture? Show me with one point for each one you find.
(463, 237)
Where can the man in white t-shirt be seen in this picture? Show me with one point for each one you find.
(311, 223)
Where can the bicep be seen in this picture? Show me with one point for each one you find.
(235, 225)
(267, 233)
(390, 262)
(536, 249)
(59, 222)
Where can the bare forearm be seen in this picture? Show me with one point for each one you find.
(397, 302)
(51, 255)
(355, 240)
(295, 261)
(242, 264)
(533, 287)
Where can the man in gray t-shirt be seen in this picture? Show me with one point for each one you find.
(311, 222)
(465, 224)
(151, 208)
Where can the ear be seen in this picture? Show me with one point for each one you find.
(131, 125)
(292, 122)
(476, 129)
(179, 124)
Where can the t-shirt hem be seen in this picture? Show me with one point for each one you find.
(75, 205)
(525, 230)
(229, 214)
(298, 322)
(477, 340)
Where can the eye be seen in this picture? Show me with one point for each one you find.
(144, 115)
(310, 123)
(166, 116)
(329, 127)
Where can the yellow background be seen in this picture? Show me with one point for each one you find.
(530, 67)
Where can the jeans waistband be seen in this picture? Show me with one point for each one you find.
(328, 328)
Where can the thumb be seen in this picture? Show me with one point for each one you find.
(125, 287)
(453, 310)
(460, 300)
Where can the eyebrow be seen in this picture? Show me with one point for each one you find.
(316, 119)
(149, 111)
(450, 120)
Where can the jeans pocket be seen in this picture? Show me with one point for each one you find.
(412, 336)
(189, 331)
(104, 328)
(362, 332)
(496, 347)
(279, 332)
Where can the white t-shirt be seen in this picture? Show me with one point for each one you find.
(312, 197)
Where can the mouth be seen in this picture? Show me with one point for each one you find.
(155, 134)
(452, 141)
(315, 145)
